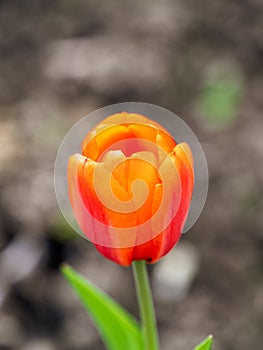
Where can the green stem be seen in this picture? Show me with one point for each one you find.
(144, 296)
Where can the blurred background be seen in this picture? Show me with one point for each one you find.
(60, 60)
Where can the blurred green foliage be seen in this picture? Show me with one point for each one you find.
(219, 100)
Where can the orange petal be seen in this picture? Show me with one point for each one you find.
(96, 143)
(140, 169)
(126, 126)
(159, 142)
(131, 118)
(82, 205)
(183, 153)
(93, 218)
(165, 144)
(183, 160)
(163, 243)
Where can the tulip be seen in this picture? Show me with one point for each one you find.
(130, 188)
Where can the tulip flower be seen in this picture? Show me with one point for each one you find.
(130, 188)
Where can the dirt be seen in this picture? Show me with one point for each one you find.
(60, 60)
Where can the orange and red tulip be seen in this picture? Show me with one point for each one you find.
(130, 188)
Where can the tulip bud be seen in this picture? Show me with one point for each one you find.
(130, 188)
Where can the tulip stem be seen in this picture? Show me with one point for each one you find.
(145, 301)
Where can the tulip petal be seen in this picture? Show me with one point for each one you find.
(159, 141)
(183, 162)
(81, 205)
(183, 154)
(143, 131)
(130, 118)
(84, 200)
(105, 140)
(165, 145)
(147, 156)
(113, 158)
(150, 248)
(122, 127)
(139, 169)
(95, 220)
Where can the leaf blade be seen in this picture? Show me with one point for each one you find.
(205, 344)
(118, 329)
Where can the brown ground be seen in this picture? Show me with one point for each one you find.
(156, 52)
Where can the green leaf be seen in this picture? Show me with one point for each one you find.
(219, 100)
(118, 329)
(206, 344)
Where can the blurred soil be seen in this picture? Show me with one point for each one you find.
(60, 60)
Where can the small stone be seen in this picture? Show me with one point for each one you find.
(11, 334)
(17, 261)
(20, 258)
(38, 345)
(174, 274)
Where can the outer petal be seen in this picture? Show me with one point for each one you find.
(148, 250)
(161, 244)
(140, 166)
(182, 158)
(94, 219)
(80, 209)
